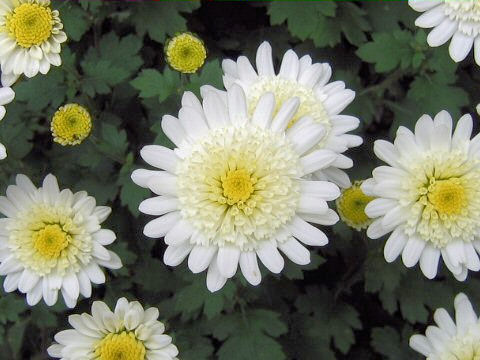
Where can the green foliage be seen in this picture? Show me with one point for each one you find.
(348, 303)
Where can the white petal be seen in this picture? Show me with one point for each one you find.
(227, 260)
(249, 267)
(174, 255)
(160, 157)
(441, 33)
(306, 233)
(200, 258)
(215, 280)
(395, 245)
(412, 251)
(262, 116)
(464, 314)
(159, 227)
(420, 344)
(270, 257)
(264, 60)
(172, 127)
(295, 251)
(429, 261)
(460, 46)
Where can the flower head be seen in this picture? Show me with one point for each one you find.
(127, 333)
(319, 100)
(30, 38)
(236, 186)
(71, 124)
(428, 195)
(52, 241)
(449, 340)
(351, 207)
(458, 20)
(185, 53)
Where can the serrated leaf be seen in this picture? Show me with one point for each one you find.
(151, 82)
(166, 13)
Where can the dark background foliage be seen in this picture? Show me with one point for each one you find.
(348, 303)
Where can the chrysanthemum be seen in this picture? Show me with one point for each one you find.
(320, 100)
(351, 207)
(71, 124)
(127, 333)
(6, 96)
(455, 19)
(451, 340)
(429, 195)
(235, 186)
(185, 53)
(51, 240)
(30, 38)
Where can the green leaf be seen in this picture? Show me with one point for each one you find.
(337, 319)
(191, 299)
(388, 50)
(162, 19)
(151, 82)
(394, 346)
(42, 90)
(75, 20)
(250, 336)
(10, 308)
(210, 74)
(115, 60)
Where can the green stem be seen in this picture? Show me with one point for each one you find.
(393, 77)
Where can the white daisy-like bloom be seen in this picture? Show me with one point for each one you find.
(127, 333)
(428, 195)
(51, 241)
(458, 20)
(237, 186)
(451, 340)
(30, 38)
(320, 100)
(6, 96)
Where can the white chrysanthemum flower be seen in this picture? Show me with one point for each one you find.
(51, 240)
(429, 195)
(30, 38)
(127, 333)
(320, 100)
(451, 340)
(458, 20)
(236, 186)
(6, 96)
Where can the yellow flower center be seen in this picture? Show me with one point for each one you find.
(30, 24)
(447, 196)
(50, 241)
(351, 207)
(71, 124)
(123, 346)
(237, 186)
(185, 53)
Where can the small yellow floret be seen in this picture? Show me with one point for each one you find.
(50, 241)
(185, 53)
(71, 124)
(30, 24)
(447, 196)
(237, 186)
(351, 207)
(122, 346)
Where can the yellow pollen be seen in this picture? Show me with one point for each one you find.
(30, 24)
(351, 207)
(447, 196)
(71, 124)
(122, 346)
(50, 241)
(237, 186)
(185, 53)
